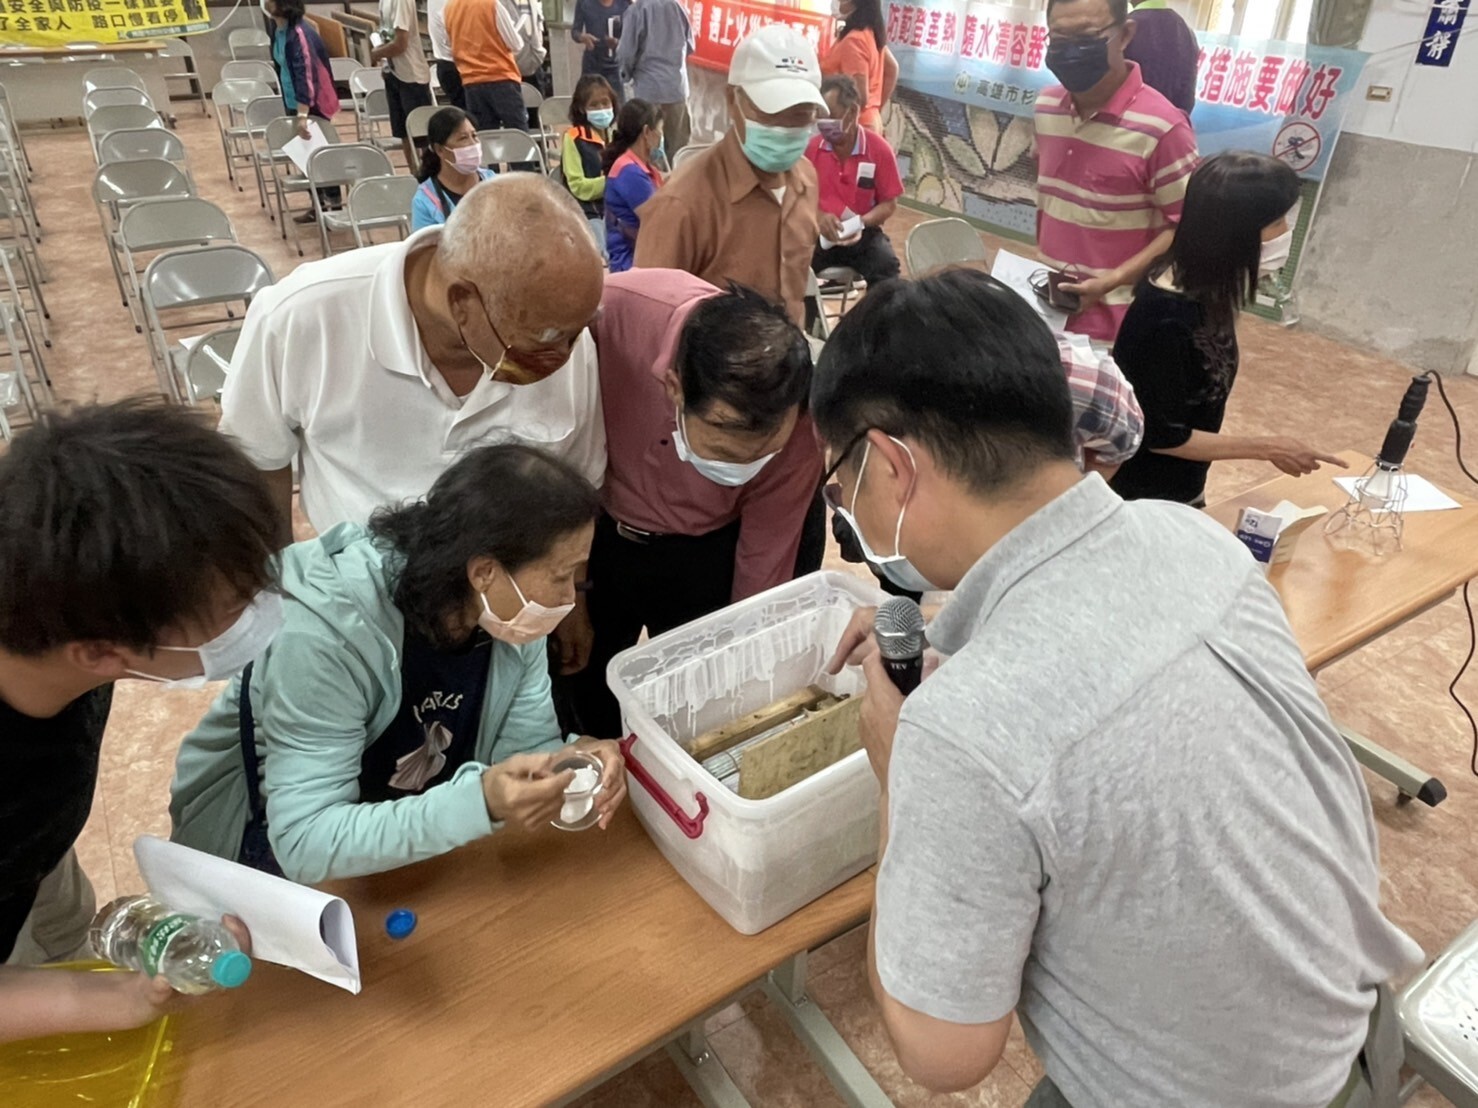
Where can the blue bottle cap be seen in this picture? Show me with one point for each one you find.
(231, 969)
(400, 923)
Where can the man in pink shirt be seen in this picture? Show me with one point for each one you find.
(711, 464)
(1113, 159)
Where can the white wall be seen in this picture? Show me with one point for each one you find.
(1430, 105)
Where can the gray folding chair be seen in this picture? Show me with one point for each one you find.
(377, 120)
(839, 283)
(9, 126)
(1439, 1020)
(133, 143)
(286, 180)
(362, 82)
(341, 166)
(119, 117)
(151, 226)
(107, 97)
(510, 149)
(19, 248)
(415, 127)
(943, 242)
(255, 118)
(183, 283)
(249, 42)
(207, 361)
(120, 185)
(15, 176)
(26, 363)
(378, 202)
(250, 70)
(230, 99)
(343, 68)
(177, 49)
(554, 120)
(112, 76)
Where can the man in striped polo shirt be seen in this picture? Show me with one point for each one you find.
(1113, 160)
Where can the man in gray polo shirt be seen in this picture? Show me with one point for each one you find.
(1158, 853)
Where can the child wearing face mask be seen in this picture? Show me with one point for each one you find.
(1178, 342)
(592, 118)
(451, 163)
(404, 708)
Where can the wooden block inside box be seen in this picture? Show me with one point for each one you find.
(826, 736)
(771, 715)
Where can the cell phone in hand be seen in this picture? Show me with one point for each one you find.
(1057, 296)
(377, 40)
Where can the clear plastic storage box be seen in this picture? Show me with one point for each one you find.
(754, 861)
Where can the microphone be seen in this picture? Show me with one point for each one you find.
(899, 631)
(1377, 489)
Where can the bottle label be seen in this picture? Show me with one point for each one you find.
(151, 950)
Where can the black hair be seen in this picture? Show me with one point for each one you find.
(956, 361)
(740, 349)
(1119, 9)
(867, 15)
(290, 10)
(586, 87)
(848, 94)
(440, 128)
(507, 502)
(1230, 199)
(635, 116)
(121, 521)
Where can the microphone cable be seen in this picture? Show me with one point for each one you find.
(1457, 430)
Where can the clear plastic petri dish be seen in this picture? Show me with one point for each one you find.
(579, 810)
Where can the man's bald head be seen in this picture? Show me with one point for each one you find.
(525, 245)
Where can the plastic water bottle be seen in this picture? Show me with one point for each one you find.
(194, 955)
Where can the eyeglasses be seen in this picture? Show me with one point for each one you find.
(842, 457)
(517, 367)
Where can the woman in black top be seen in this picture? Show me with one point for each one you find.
(1178, 343)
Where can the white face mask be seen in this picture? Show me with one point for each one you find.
(533, 621)
(731, 474)
(895, 566)
(227, 654)
(1275, 253)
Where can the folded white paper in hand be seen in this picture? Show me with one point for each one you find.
(850, 229)
(300, 149)
(290, 924)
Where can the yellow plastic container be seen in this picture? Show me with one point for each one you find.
(114, 1069)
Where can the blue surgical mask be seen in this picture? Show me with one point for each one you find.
(895, 567)
(774, 149)
(601, 118)
(659, 152)
(728, 474)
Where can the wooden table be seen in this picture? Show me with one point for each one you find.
(541, 965)
(1340, 597)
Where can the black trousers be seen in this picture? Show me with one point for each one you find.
(659, 584)
(871, 256)
(496, 105)
(451, 83)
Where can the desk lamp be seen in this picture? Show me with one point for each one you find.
(1375, 511)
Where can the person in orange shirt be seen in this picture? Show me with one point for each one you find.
(861, 52)
(485, 45)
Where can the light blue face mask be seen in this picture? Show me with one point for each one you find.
(895, 567)
(774, 149)
(601, 118)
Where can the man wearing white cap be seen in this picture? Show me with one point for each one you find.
(745, 209)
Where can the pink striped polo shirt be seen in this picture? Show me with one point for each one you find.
(1107, 185)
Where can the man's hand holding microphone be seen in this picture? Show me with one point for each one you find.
(888, 643)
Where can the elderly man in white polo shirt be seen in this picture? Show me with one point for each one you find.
(377, 368)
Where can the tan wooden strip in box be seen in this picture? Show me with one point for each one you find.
(775, 764)
(773, 714)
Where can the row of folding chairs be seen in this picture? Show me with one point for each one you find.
(23, 312)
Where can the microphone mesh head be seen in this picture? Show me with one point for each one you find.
(899, 628)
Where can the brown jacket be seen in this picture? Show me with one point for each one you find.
(716, 221)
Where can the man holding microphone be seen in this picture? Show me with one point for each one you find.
(1161, 857)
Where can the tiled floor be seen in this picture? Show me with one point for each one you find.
(1291, 383)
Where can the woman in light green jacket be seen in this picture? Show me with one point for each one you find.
(403, 709)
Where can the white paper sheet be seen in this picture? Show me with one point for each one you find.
(851, 225)
(300, 149)
(1015, 272)
(1421, 494)
(290, 924)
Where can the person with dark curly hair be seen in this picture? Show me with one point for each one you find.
(404, 710)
